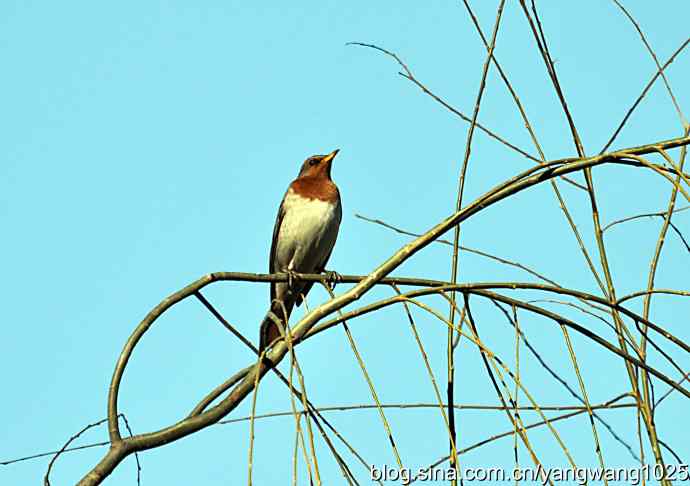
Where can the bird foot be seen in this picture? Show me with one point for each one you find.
(332, 278)
(291, 275)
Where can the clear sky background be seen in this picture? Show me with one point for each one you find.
(145, 144)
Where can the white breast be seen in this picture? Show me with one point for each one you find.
(307, 233)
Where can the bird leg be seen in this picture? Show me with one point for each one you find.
(332, 278)
(291, 275)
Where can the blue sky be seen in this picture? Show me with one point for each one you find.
(148, 143)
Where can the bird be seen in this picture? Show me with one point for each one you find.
(304, 235)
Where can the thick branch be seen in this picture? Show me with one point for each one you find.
(532, 177)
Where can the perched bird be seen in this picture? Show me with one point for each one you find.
(303, 238)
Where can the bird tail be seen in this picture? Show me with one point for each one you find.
(269, 330)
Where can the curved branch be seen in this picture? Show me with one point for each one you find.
(120, 447)
(481, 290)
(478, 287)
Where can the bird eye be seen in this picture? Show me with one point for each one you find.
(313, 162)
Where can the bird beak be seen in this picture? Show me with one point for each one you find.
(329, 158)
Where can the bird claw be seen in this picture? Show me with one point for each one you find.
(291, 276)
(332, 278)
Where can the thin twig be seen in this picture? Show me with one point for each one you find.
(456, 237)
(645, 215)
(121, 448)
(407, 74)
(46, 478)
(370, 383)
(509, 433)
(642, 95)
(683, 121)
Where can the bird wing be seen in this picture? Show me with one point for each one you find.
(274, 244)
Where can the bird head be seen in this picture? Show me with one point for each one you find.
(318, 165)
